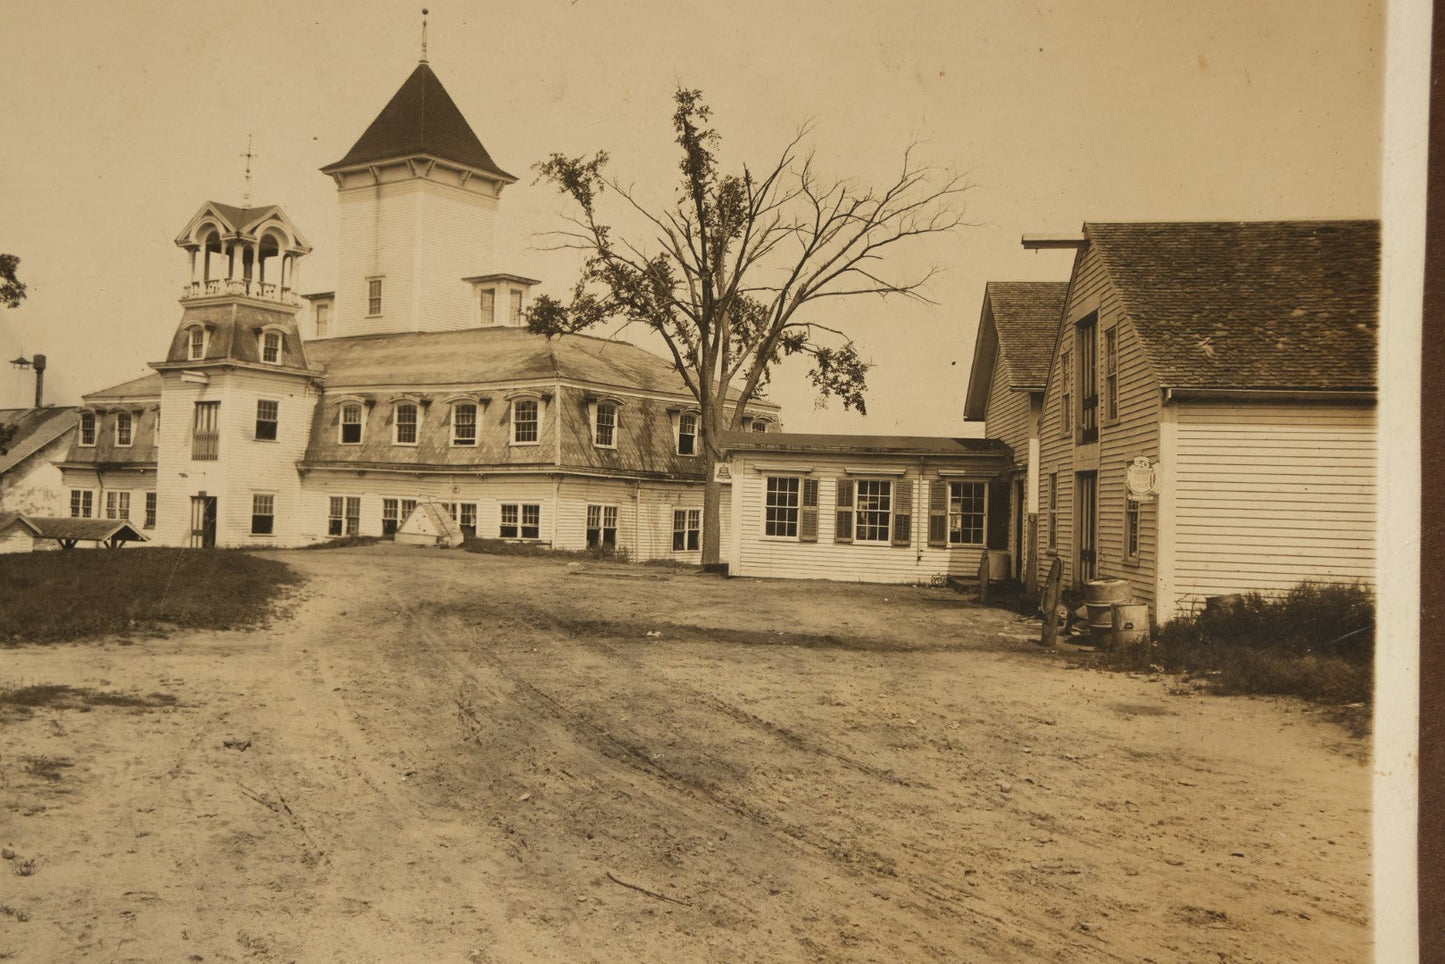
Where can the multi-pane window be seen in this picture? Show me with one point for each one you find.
(267, 415)
(760, 425)
(605, 429)
(602, 527)
(150, 519)
(87, 428)
(373, 296)
(82, 503)
(967, 513)
(1086, 335)
(323, 318)
(406, 424)
(464, 424)
(117, 505)
(263, 514)
(351, 424)
(1053, 510)
(524, 420)
(686, 529)
(687, 433)
(1066, 394)
(489, 306)
(124, 428)
(1131, 528)
(1111, 374)
(271, 347)
(196, 343)
(407, 506)
(516, 316)
(780, 506)
(464, 514)
(206, 440)
(343, 515)
(521, 521)
(874, 513)
(388, 517)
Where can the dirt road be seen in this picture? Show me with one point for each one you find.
(451, 757)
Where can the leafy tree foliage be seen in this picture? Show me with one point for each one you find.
(12, 289)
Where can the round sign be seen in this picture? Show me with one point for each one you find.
(1140, 476)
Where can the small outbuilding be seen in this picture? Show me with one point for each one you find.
(430, 524)
(111, 533)
(17, 533)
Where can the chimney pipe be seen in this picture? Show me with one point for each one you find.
(39, 379)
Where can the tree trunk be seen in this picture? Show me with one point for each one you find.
(711, 521)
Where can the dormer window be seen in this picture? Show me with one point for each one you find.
(351, 423)
(687, 433)
(488, 299)
(516, 316)
(406, 419)
(271, 347)
(759, 424)
(196, 343)
(87, 428)
(604, 426)
(464, 423)
(124, 429)
(525, 421)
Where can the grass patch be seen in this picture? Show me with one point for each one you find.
(504, 547)
(23, 701)
(48, 768)
(56, 596)
(1316, 641)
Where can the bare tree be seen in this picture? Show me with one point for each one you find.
(735, 273)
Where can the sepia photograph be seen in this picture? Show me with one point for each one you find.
(624, 481)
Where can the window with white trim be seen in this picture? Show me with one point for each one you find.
(268, 413)
(124, 429)
(520, 521)
(781, 498)
(206, 435)
(464, 423)
(873, 517)
(351, 423)
(405, 419)
(604, 426)
(389, 519)
(602, 527)
(343, 517)
(686, 529)
(263, 513)
(516, 315)
(967, 513)
(1132, 512)
(1087, 338)
(150, 518)
(82, 503)
(87, 428)
(373, 297)
(687, 433)
(323, 318)
(464, 514)
(117, 505)
(271, 347)
(195, 343)
(760, 425)
(489, 306)
(525, 421)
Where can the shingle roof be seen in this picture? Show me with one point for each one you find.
(88, 530)
(242, 218)
(1026, 317)
(7, 519)
(1258, 305)
(421, 119)
(860, 444)
(147, 386)
(37, 428)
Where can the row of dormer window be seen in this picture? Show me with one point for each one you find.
(269, 344)
(124, 429)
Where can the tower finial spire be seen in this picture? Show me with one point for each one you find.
(246, 198)
(423, 34)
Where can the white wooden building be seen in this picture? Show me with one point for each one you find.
(903, 509)
(1228, 370)
(35, 438)
(414, 381)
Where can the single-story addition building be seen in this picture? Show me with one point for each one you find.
(17, 533)
(1016, 332)
(1209, 422)
(902, 509)
(29, 482)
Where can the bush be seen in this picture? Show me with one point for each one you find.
(1316, 641)
(506, 547)
(345, 542)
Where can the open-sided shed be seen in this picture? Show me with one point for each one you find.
(111, 533)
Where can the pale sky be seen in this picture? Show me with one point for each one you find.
(123, 118)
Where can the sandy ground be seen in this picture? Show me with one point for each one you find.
(456, 757)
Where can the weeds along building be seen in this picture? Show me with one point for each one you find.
(415, 380)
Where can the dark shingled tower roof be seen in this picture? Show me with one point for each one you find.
(421, 119)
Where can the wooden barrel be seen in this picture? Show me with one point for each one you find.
(1106, 591)
(1101, 615)
(1131, 624)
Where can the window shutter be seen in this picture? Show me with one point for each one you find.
(938, 513)
(903, 512)
(843, 517)
(808, 512)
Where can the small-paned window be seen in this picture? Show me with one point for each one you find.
(196, 344)
(464, 424)
(967, 513)
(406, 424)
(87, 428)
(602, 527)
(267, 415)
(271, 347)
(489, 306)
(82, 503)
(373, 296)
(780, 510)
(874, 515)
(464, 514)
(206, 440)
(760, 425)
(343, 515)
(263, 514)
(150, 519)
(1088, 346)
(1053, 510)
(351, 424)
(1111, 374)
(1066, 394)
(124, 428)
(117, 505)
(687, 434)
(520, 521)
(605, 430)
(524, 421)
(516, 316)
(388, 517)
(686, 529)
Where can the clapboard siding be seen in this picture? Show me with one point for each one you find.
(16, 537)
(1008, 415)
(756, 554)
(1270, 495)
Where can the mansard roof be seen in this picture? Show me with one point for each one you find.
(421, 119)
(1250, 305)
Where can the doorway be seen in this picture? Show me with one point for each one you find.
(1086, 498)
(203, 521)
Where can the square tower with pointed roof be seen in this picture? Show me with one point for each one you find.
(418, 196)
